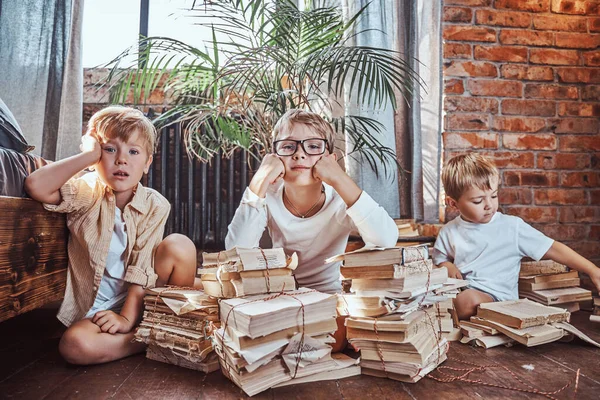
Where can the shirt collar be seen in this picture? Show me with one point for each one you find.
(138, 202)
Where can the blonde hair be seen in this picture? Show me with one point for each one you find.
(466, 171)
(121, 122)
(307, 118)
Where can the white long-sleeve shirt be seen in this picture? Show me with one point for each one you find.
(315, 238)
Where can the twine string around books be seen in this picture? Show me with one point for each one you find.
(208, 325)
(282, 293)
(465, 372)
(421, 263)
(267, 276)
(378, 347)
(218, 274)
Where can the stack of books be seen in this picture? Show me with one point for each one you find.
(241, 272)
(178, 325)
(523, 321)
(482, 335)
(399, 316)
(551, 283)
(595, 317)
(270, 340)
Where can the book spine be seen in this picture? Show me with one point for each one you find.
(414, 254)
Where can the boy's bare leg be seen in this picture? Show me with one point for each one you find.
(175, 261)
(467, 301)
(340, 335)
(84, 344)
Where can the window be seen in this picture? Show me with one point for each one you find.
(111, 26)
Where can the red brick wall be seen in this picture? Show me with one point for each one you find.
(522, 85)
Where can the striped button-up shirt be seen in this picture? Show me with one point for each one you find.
(90, 206)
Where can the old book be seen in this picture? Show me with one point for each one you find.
(415, 329)
(435, 357)
(272, 374)
(345, 367)
(521, 313)
(249, 286)
(473, 323)
(227, 276)
(563, 283)
(549, 277)
(175, 321)
(406, 227)
(363, 306)
(414, 281)
(169, 356)
(488, 342)
(530, 336)
(394, 271)
(542, 267)
(402, 371)
(241, 341)
(241, 259)
(373, 256)
(260, 315)
(558, 296)
(415, 350)
(220, 289)
(393, 322)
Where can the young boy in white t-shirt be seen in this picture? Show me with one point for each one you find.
(485, 246)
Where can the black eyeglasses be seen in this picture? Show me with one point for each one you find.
(288, 147)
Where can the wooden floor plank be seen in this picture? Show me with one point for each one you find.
(369, 387)
(105, 379)
(38, 372)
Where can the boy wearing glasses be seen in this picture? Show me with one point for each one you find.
(308, 203)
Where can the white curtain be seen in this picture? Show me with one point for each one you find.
(42, 74)
(374, 29)
(411, 27)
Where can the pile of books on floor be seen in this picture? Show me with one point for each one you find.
(241, 272)
(521, 321)
(399, 317)
(552, 284)
(178, 325)
(278, 339)
(595, 317)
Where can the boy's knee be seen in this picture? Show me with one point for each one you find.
(176, 246)
(74, 347)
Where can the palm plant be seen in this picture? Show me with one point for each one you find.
(276, 57)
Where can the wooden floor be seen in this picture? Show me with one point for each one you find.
(31, 368)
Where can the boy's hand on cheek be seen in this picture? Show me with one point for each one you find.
(89, 144)
(270, 171)
(111, 322)
(273, 168)
(327, 169)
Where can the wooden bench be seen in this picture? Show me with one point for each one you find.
(33, 256)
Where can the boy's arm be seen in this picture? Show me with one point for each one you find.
(111, 322)
(134, 302)
(248, 223)
(440, 254)
(563, 254)
(43, 184)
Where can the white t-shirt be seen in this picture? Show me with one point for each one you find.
(113, 289)
(315, 238)
(489, 255)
